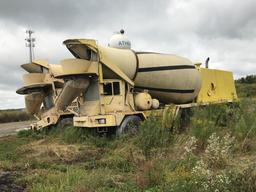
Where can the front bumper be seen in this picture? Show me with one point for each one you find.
(95, 121)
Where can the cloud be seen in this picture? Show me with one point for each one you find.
(10, 99)
(76, 15)
(215, 19)
(225, 31)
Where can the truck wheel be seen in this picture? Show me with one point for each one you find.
(129, 125)
(185, 119)
(66, 121)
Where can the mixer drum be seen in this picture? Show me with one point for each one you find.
(169, 78)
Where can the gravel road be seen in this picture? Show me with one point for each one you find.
(13, 127)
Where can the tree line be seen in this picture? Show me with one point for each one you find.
(247, 79)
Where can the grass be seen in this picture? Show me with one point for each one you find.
(153, 136)
(207, 156)
(9, 148)
(246, 90)
(76, 179)
(216, 151)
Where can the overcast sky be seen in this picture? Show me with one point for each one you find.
(223, 30)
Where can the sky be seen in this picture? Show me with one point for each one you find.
(223, 30)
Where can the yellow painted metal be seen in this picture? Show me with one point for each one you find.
(94, 121)
(43, 63)
(130, 66)
(169, 86)
(35, 66)
(124, 59)
(105, 56)
(34, 80)
(116, 70)
(71, 90)
(40, 85)
(100, 73)
(33, 102)
(111, 119)
(55, 70)
(143, 101)
(46, 120)
(98, 66)
(78, 67)
(91, 43)
(217, 86)
(100, 89)
(161, 111)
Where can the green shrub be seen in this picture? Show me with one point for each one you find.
(72, 134)
(243, 180)
(242, 123)
(152, 135)
(239, 119)
(29, 133)
(246, 90)
(25, 133)
(67, 134)
(203, 123)
(118, 163)
(181, 185)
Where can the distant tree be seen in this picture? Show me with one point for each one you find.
(247, 79)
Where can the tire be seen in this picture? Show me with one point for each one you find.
(185, 119)
(66, 121)
(129, 125)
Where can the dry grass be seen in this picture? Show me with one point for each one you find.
(43, 150)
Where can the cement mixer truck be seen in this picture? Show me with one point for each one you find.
(116, 87)
(41, 90)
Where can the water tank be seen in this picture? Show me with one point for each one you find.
(155, 104)
(143, 101)
(120, 40)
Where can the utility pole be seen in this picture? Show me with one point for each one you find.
(30, 43)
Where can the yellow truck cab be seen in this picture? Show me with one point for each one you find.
(108, 105)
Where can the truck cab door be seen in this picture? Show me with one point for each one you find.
(113, 96)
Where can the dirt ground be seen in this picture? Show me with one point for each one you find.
(7, 184)
(13, 127)
(6, 178)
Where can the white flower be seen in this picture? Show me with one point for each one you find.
(190, 146)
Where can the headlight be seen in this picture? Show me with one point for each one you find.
(102, 121)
